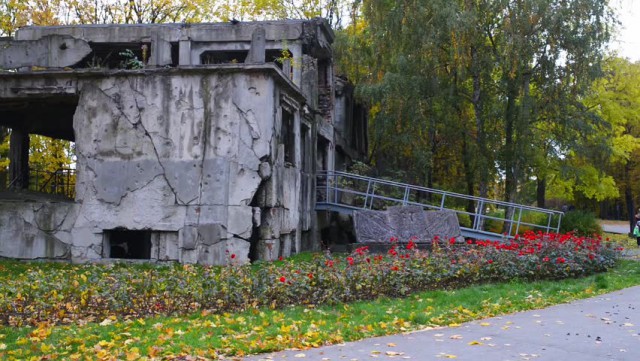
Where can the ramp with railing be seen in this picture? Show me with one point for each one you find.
(479, 218)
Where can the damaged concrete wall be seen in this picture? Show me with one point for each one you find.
(195, 158)
(183, 154)
(190, 152)
(36, 229)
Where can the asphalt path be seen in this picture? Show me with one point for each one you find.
(618, 227)
(605, 327)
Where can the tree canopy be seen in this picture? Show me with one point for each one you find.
(470, 94)
(500, 98)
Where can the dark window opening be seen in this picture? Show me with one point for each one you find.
(116, 56)
(122, 243)
(288, 137)
(305, 152)
(175, 54)
(322, 154)
(323, 76)
(41, 151)
(278, 57)
(223, 56)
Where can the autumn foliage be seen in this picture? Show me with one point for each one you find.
(94, 293)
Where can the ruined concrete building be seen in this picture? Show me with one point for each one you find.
(193, 141)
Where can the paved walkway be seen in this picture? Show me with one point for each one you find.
(606, 327)
(620, 227)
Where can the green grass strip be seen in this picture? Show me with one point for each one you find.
(260, 330)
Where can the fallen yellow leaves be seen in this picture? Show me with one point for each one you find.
(133, 354)
(446, 355)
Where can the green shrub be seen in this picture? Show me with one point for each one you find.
(494, 225)
(581, 223)
(464, 220)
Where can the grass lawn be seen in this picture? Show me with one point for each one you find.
(213, 336)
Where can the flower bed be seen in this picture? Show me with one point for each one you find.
(86, 293)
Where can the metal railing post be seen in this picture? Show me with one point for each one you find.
(335, 188)
(559, 222)
(366, 196)
(326, 186)
(373, 193)
(479, 212)
(519, 220)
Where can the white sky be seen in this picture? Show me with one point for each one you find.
(627, 43)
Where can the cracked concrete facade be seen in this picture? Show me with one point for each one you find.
(209, 150)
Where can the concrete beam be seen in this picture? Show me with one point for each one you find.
(52, 51)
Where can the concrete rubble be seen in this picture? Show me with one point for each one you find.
(405, 223)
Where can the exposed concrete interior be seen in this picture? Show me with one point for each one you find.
(193, 141)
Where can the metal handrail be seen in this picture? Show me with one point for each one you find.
(334, 184)
(61, 181)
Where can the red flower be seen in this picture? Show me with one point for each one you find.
(591, 256)
(490, 261)
(283, 279)
(368, 260)
(310, 275)
(453, 261)
(362, 250)
(394, 268)
(452, 241)
(350, 260)
(280, 258)
(560, 260)
(546, 259)
(328, 263)
(233, 255)
(410, 245)
(469, 241)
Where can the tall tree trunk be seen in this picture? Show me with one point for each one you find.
(509, 156)
(482, 160)
(469, 175)
(541, 188)
(628, 196)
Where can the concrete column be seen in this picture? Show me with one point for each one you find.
(258, 45)
(184, 51)
(19, 159)
(160, 52)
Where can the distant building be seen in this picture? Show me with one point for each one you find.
(193, 141)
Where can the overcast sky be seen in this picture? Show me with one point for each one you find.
(628, 41)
